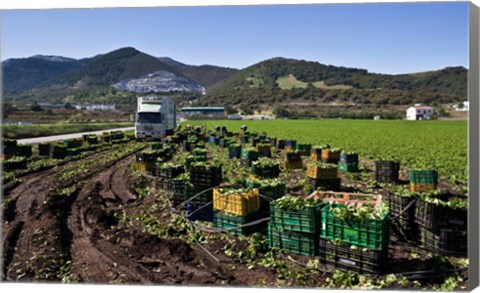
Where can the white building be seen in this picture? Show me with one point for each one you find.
(465, 106)
(96, 107)
(419, 112)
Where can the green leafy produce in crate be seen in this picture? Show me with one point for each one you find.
(296, 214)
(365, 226)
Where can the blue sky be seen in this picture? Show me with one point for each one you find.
(386, 38)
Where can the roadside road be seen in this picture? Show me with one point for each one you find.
(37, 140)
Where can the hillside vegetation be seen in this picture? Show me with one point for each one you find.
(449, 81)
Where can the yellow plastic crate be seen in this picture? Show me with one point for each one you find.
(146, 166)
(238, 203)
(292, 165)
(289, 148)
(329, 156)
(105, 133)
(313, 171)
(422, 187)
(316, 157)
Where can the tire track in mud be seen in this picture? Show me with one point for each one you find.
(35, 242)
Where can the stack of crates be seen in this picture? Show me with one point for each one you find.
(348, 162)
(387, 171)
(166, 173)
(202, 178)
(235, 151)
(322, 175)
(146, 161)
(316, 154)
(295, 231)
(293, 160)
(442, 229)
(264, 150)
(405, 218)
(290, 145)
(357, 246)
(9, 146)
(23, 151)
(423, 180)
(58, 151)
(249, 155)
(14, 163)
(236, 207)
(304, 149)
(44, 149)
(266, 168)
(331, 156)
(192, 159)
(273, 188)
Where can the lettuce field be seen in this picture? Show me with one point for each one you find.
(442, 144)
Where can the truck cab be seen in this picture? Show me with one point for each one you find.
(155, 118)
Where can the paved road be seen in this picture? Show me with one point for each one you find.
(37, 140)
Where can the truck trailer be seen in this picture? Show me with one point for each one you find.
(156, 117)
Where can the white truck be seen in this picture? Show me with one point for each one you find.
(156, 117)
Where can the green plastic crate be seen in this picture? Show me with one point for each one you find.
(227, 221)
(371, 234)
(290, 241)
(423, 176)
(249, 154)
(305, 220)
(347, 167)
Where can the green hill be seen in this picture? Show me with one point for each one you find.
(113, 67)
(266, 74)
(27, 73)
(208, 75)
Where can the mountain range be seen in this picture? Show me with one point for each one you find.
(120, 75)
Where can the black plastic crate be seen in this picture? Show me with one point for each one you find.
(403, 222)
(58, 151)
(44, 149)
(447, 242)
(387, 171)
(332, 184)
(208, 177)
(432, 216)
(351, 258)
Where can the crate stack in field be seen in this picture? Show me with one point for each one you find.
(331, 155)
(235, 151)
(290, 145)
(166, 173)
(442, 229)
(423, 180)
(263, 149)
(234, 208)
(293, 230)
(348, 162)
(249, 155)
(293, 160)
(360, 246)
(13, 156)
(323, 175)
(402, 209)
(198, 191)
(304, 149)
(264, 173)
(387, 171)
(146, 161)
(316, 153)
